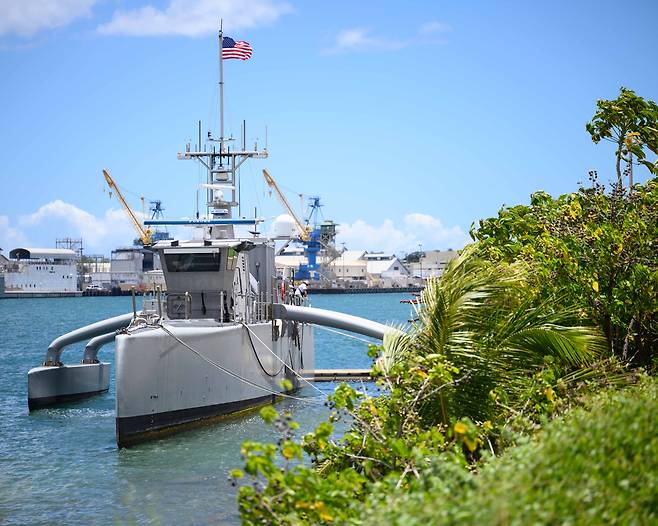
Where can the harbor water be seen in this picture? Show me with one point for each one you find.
(62, 466)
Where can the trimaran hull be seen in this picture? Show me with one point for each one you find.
(170, 382)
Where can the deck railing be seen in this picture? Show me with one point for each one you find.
(223, 306)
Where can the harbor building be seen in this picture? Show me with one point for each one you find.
(127, 267)
(431, 263)
(98, 276)
(386, 270)
(135, 266)
(40, 271)
(352, 268)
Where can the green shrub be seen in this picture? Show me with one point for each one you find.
(596, 465)
(598, 249)
(482, 359)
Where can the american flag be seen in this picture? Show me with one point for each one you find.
(233, 49)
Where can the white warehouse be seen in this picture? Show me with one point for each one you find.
(40, 270)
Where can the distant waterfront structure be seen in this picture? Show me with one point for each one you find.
(430, 263)
(3, 260)
(71, 244)
(386, 270)
(32, 271)
(128, 267)
(135, 266)
(352, 268)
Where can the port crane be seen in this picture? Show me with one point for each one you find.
(313, 238)
(304, 230)
(145, 234)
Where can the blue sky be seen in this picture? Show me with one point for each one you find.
(411, 120)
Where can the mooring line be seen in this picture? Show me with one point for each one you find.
(312, 399)
(271, 375)
(249, 330)
(344, 334)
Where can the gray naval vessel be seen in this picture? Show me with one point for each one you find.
(227, 335)
(213, 347)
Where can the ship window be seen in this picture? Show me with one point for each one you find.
(193, 262)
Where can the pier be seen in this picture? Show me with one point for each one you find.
(362, 290)
(8, 294)
(341, 375)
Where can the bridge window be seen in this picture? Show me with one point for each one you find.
(193, 262)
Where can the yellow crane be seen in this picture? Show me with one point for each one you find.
(304, 231)
(144, 234)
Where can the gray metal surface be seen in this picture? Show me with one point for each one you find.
(338, 320)
(94, 345)
(156, 374)
(54, 383)
(84, 333)
(47, 386)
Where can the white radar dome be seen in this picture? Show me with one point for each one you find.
(284, 226)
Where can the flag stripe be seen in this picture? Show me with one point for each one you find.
(232, 49)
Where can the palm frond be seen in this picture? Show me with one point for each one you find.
(482, 319)
(396, 347)
(573, 346)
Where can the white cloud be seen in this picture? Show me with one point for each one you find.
(60, 219)
(103, 233)
(193, 18)
(433, 27)
(27, 17)
(361, 39)
(10, 237)
(416, 228)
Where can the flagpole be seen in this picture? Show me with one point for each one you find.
(221, 88)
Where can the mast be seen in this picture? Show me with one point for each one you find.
(221, 89)
(222, 166)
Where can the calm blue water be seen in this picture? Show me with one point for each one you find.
(61, 466)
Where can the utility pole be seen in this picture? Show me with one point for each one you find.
(343, 243)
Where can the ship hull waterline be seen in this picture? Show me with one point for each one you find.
(53, 385)
(164, 386)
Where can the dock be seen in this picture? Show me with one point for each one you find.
(362, 290)
(341, 375)
(9, 294)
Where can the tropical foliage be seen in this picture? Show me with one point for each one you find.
(598, 248)
(483, 357)
(629, 122)
(596, 465)
(545, 310)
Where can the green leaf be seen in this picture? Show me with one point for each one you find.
(269, 414)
